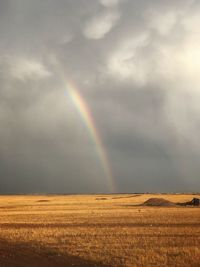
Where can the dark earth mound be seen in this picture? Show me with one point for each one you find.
(194, 202)
(160, 202)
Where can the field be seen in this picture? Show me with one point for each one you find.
(97, 230)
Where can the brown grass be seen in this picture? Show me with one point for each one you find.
(98, 230)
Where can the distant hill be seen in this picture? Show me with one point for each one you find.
(161, 202)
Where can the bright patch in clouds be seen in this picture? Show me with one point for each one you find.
(127, 63)
(143, 59)
(163, 23)
(109, 3)
(99, 26)
(27, 68)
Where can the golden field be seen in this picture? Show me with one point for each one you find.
(97, 230)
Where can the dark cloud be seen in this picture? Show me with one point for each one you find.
(136, 65)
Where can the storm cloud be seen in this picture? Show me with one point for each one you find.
(136, 65)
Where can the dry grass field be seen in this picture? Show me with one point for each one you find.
(97, 230)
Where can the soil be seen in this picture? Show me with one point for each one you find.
(161, 202)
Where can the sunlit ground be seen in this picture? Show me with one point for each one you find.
(97, 230)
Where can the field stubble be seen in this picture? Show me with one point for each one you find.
(95, 230)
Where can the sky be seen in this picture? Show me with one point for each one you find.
(135, 67)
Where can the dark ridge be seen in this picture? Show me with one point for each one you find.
(92, 225)
(160, 202)
(127, 196)
(194, 202)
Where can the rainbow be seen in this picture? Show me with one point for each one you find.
(86, 115)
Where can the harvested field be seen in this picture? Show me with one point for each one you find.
(98, 230)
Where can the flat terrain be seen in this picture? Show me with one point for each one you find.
(98, 230)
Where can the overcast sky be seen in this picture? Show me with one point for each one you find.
(136, 65)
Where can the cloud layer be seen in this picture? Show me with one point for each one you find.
(136, 64)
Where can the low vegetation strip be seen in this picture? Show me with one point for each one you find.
(95, 225)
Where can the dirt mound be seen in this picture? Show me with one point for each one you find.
(160, 202)
(101, 198)
(194, 202)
